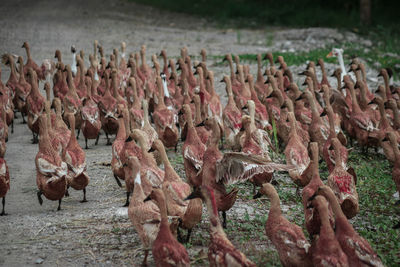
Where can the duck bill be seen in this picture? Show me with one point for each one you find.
(147, 199)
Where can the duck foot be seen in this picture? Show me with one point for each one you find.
(188, 235)
(12, 126)
(108, 140)
(77, 137)
(66, 192)
(224, 219)
(86, 147)
(84, 196)
(59, 205)
(39, 195)
(97, 139)
(396, 226)
(23, 119)
(146, 254)
(3, 213)
(34, 139)
(128, 194)
(117, 180)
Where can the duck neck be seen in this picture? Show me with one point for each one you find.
(315, 113)
(13, 74)
(164, 226)
(341, 63)
(72, 139)
(325, 223)
(260, 77)
(322, 65)
(233, 76)
(252, 112)
(28, 52)
(339, 83)
(146, 114)
(21, 70)
(172, 176)
(337, 210)
(121, 135)
(384, 120)
(386, 81)
(331, 122)
(275, 209)
(338, 157)
(354, 102)
(231, 101)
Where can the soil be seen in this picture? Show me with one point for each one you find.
(99, 232)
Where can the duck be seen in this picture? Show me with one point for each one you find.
(135, 107)
(31, 64)
(251, 147)
(55, 140)
(118, 149)
(147, 128)
(343, 184)
(392, 138)
(219, 169)
(145, 216)
(3, 132)
(329, 158)
(391, 104)
(325, 248)
(4, 183)
(175, 190)
(72, 102)
(318, 130)
(192, 150)
(311, 215)
(152, 175)
(358, 251)
(231, 116)
(338, 52)
(260, 86)
(215, 101)
(202, 132)
(261, 115)
(60, 86)
(288, 238)
(324, 79)
(167, 251)
(59, 125)
(233, 79)
(283, 126)
(108, 112)
(75, 157)
(221, 252)
(296, 154)
(91, 123)
(164, 120)
(51, 171)
(22, 91)
(360, 121)
(81, 87)
(35, 105)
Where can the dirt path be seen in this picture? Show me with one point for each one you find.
(99, 232)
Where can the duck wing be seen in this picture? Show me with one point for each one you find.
(237, 167)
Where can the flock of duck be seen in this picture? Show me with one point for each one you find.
(150, 109)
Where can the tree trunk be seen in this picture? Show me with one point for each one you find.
(365, 12)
